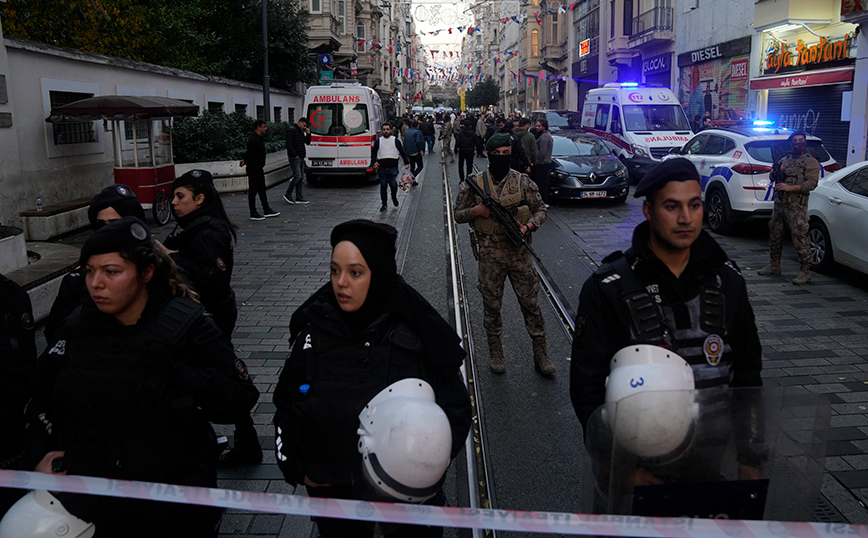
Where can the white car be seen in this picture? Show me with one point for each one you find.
(838, 213)
(734, 164)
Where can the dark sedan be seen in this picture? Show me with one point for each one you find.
(583, 167)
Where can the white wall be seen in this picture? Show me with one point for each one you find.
(34, 166)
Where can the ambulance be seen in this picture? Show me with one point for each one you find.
(639, 123)
(345, 119)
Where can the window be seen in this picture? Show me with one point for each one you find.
(616, 120)
(655, 118)
(338, 119)
(260, 112)
(71, 132)
(857, 183)
(342, 16)
(277, 111)
(553, 37)
(718, 145)
(534, 42)
(360, 36)
(241, 109)
(601, 119)
(315, 6)
(215, 106)
(695, 146)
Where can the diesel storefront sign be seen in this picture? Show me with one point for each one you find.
(713, 81)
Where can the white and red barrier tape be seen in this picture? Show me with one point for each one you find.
(506, 520)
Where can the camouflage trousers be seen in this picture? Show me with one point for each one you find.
(495, 264)
(794, 217)
(447, 147)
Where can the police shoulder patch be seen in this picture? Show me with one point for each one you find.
(221, 264)
(27, 321)
(241, 368)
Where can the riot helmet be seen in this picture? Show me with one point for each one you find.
(40, 515)
(405, 440)
(650, 402)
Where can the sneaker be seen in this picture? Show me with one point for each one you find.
(270, 212)
(301, 201)
(415, 183)
(383, 207)
(256, 216)
(395, 199)
(287, 199)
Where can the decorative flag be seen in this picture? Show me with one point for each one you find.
(538, 20)
(561, 9)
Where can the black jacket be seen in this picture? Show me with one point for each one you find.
(17, 367)
(467, 141)
(254, 157)
(602, 326)
(427, 128)
(296, 142)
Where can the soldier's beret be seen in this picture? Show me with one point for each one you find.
(119, 197)
(114, 237)
(677, 169)
(192, 177)
(497, 140)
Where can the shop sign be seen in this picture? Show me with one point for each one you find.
(584, 48)
(740, 70)
(849, 7)
(736, 47)
(657, 64)
(780, 56)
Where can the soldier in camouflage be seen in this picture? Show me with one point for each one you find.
(795, 176)
(498, 257)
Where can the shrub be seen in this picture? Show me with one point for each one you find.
(217, 136)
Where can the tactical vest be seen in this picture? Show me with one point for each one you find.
(118, 414)
(343, 376)
(510, 197)
(695, 329)
(793, 172)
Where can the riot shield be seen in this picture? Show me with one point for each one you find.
(749, 453)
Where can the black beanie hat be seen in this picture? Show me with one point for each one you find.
(678, 169)
(192, 177)
(120, 198)
(378, 239)
(114, 237)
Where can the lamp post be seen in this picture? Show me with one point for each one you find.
(266, 100)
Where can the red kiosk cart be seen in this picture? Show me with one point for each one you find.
(141, 129)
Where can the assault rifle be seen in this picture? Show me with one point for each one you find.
(504, 217)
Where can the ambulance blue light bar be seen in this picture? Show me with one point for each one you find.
(629, 84)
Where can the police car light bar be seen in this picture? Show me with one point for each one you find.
(760, 123)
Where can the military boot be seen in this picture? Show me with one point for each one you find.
(495, 355)
(804, 276)
(541, 357)
(773, 268)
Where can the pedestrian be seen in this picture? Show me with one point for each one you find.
(490, 129)
(384, 156)
(666, 290)
(446, 142)
(112, 203)
(467, 143)
(414, 145)
(428, 131)
(297, 139)
(498, 257)
(129, 385)
(518, 158)
(17, 372)
(795, 176)
(528, 141)
(481, 126)
(254, 159)
(544, 148)
(360, 333)
(203, 251)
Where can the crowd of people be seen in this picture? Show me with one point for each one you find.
(139, 361)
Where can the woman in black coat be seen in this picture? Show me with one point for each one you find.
(361, 332)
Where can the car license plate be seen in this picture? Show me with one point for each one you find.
(328, 162)
(593, 194)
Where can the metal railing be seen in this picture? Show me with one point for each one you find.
(654, 20)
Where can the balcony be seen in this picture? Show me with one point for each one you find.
(324, 33)
(653, 27)
(554, 55)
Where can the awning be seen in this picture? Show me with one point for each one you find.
(820, 77)
(122, 108)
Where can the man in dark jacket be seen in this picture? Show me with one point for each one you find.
(428, 131)
(254, 159)
(414, 146)
(297, 137)
(467, 143)
(519, 161)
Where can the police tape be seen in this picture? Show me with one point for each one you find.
(440, 516)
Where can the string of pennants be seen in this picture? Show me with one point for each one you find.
(450, 76)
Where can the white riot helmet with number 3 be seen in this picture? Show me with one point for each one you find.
(40, 515)
(650, 404)
(405, 440)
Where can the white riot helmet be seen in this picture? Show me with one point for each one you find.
(40, 515)
(650, 404)
(405, 440)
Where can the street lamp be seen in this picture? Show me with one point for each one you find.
(266, 100)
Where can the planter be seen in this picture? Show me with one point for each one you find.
(230, 177)
(13, 251)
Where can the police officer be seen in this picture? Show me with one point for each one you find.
(359, 333)
(675, 287)
(112, 203)
(130, 383)
(203, 251)
(498, 257)
(17, 367)
(795, 176)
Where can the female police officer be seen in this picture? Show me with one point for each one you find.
(358, 334)
(203, 252)
(131, 381)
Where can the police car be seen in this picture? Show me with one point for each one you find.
(734, 163)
